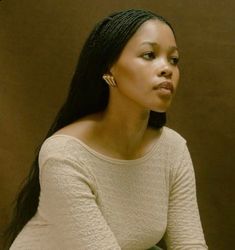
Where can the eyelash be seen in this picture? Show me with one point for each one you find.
(175, 60)
(151, 55)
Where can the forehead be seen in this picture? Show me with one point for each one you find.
(153, 31)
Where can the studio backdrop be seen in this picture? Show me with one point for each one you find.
(39, 46)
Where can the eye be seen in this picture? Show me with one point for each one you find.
(149, 55)
(174, 60)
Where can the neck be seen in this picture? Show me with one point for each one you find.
(124, 131)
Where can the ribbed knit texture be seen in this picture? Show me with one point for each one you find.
(92, 201)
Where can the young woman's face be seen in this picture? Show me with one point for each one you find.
(146, 71)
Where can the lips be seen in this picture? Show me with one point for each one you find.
(165, 85)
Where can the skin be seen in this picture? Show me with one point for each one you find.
(149, 58)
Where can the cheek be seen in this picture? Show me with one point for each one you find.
(125, 73)
(132, 73)
(130, 81)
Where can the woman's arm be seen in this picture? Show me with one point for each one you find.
(69, 205)
(184, 230)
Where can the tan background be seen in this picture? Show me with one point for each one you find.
(39, 45)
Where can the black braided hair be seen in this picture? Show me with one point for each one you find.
(88, 93)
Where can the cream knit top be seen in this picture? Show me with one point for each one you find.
(92, 201)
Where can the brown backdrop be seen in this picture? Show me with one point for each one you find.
(39, 45)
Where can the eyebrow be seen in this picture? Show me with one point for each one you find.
(172, 48)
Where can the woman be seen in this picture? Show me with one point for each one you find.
(109, 174)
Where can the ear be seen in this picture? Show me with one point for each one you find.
(112, 71)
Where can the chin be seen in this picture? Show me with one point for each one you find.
(160, 109)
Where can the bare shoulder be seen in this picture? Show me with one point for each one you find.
(81, 128)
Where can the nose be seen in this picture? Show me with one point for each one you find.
(164, 69)
(166, 72)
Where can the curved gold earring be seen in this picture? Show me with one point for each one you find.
(109, 80)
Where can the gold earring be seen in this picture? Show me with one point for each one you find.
(109, 80)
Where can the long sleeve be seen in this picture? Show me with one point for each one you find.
(184, 230)
(68, 203)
